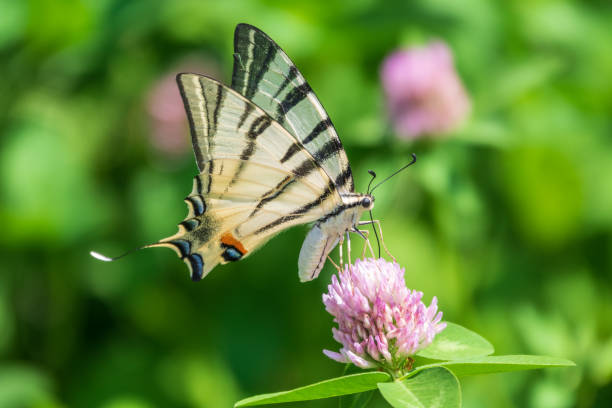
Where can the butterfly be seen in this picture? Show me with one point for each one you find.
(269, 159)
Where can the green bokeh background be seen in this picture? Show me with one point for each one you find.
(508, 220)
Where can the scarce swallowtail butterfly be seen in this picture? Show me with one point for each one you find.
(269, 158)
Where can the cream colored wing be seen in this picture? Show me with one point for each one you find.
(245, 192)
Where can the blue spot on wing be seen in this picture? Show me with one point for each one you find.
(190, 224)
(197, 267)
(231, 254)
(183, 246)
(198, 204)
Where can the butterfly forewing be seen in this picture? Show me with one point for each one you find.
(245, 192)
(264, 74)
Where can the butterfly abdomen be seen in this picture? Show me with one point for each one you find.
(316, 247)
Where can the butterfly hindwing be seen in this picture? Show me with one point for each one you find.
(264, 74)
(245, 193)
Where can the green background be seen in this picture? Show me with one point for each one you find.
(508, 221)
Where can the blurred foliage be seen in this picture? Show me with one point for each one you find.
(508, 220)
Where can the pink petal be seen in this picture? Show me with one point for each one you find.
(336, 356)
(358, 361)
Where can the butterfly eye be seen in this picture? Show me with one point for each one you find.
(366, 202)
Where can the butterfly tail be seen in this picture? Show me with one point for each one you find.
(200, 263)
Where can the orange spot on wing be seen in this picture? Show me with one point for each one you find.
(228, 239)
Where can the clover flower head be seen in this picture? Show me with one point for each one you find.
(381, 323)
(423, 91)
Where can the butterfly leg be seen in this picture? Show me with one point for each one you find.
(382, 240)
(333, 263)
(365, 235)
(348, 247)
(365, 242)
(340, 250)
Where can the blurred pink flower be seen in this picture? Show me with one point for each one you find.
(169, 130)
(381, 323)
(424, 93)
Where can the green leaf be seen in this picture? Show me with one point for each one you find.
(360, 400)
(456, 343)
(348, 384)
(499, 364)
(434, 387)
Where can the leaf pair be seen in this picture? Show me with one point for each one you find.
(455, 352)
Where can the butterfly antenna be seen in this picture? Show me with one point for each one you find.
(414, 159)
(373, 174)
(372, 179)
(375, 233)
(105, 258)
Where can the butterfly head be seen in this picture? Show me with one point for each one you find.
(367, 202)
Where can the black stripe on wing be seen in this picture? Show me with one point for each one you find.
(293, 149)
(293, 97)
(258, 126)
(321, 127)
(293, 73)
(300, 212)
(330, 148)
(327, 150)
(345, 178)
(218, 104)
(193, 131)
(273, 193)
(245, 114)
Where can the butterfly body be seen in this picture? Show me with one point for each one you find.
(269, 158)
